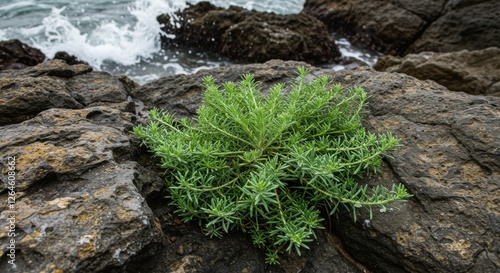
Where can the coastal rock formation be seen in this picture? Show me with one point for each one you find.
(400, 27)
(448, 159)
(55, 84)
(465, 24)
(250, 36)
(78, 207)
(15, 54)
(89, 197)
(474, 72)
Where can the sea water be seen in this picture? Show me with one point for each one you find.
(123, 36)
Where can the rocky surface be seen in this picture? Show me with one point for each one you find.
(89, 197)
(55, 84)
(448, 160)
(251, 36)
(16, 55)
(400, 27)
(474, 72)
(465, 24)
(78, 204)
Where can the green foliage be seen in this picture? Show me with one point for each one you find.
(265, 163)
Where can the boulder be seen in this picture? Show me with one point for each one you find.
(386, 26)
(78, 206)
(448, 160)
(402, 26)
(55, 84)
(15, 54)
(470, 25)
(69, 59)
(182, 94)
(88, 196)
(250, 36)
(474, 72)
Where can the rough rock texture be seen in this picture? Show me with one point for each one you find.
(251, 36)
(78, 208)
(55, 84)
(465, 24)
(474, 72)
(399, 27)
(88, 195)
(186, 249)
(449, 160)
(386, 26)
(15, 54)
(182, 94)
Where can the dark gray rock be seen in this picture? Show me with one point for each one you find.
(449, 162)
(386, 26)
(182, 94)
(251, 36)
(55, 84)
(400, 27)
(474, 72)
(87, 191)
(470, 25)
(78, 206)
(15, 54)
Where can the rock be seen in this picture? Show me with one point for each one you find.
(182, 94)
(69, 59)
(386, 26)
(15, 54)
(402, 26)
(88, 196)
(470, 25)
(251, 36)
(78, 207)
(55, 84)
(474, 72)
(449, 160)
(188, 250)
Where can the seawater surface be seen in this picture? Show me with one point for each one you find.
(123, 36)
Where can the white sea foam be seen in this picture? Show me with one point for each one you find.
(123, 44)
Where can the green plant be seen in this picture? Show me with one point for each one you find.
(266, 163)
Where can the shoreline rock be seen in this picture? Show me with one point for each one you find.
(250, 36)
(474, 72)
(401, 27)
(90, 198)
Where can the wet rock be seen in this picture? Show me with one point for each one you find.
(474, 72)
(182, 94)
(386, 26)
(69, 59)
(55, 84)
(249, 35)
(402, 26)
(449, 162)
(79, 206)
(15, 54)
(470, 25)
